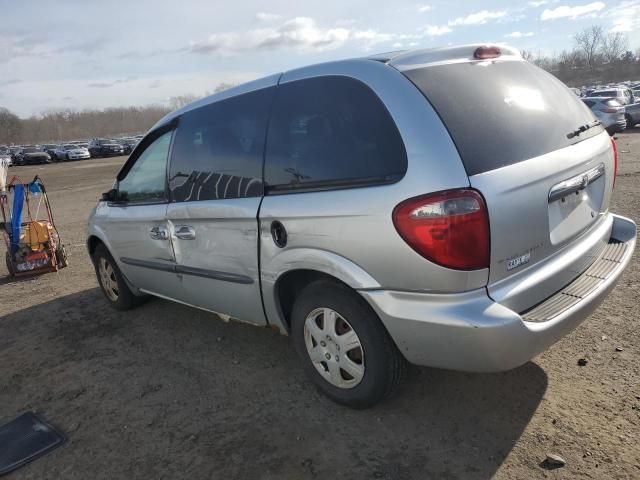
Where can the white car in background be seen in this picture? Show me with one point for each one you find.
(71, 152)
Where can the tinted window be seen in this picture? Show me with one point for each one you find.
(218, 149)
(502, 113)
(331, 131)
(589, 103)
(145, 180)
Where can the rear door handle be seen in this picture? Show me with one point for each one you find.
(185, 232)
(159, 233)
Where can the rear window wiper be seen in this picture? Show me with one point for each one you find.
(583, 128)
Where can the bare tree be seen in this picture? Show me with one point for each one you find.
(10, 127)
(527, 55)
(181, 100)
(614, 46)
(589, 42)
(223, 86)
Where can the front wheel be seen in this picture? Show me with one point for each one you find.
(113, 285)
(345, 349)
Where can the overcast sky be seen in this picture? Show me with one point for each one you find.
(81, 54)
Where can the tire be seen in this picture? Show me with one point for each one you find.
(630, 122)
(7, 259)
(61, 255)
(382, 366)
(116, 291)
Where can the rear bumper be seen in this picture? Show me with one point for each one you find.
(471, 332)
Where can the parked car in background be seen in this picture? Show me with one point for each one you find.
(13, 151)
(609, 111)
(49, 148)
(71, 152)
(373, 221)
(5, 153)
(128, 144)
(104, 147)
(32, 154)
(626, 98)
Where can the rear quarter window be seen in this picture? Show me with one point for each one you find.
(502, 113)
(331, 132)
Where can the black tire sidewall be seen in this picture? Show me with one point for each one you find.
(376, 344)
(126, 299)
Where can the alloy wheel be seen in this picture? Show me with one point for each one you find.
(108, 279)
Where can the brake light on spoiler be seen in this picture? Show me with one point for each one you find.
(487, 52)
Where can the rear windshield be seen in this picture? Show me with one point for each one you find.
(503, 113)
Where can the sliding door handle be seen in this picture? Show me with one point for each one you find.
(185, 232)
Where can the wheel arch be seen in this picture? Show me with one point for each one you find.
(92, 243)
(288, 273)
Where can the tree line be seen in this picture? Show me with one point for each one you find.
(60, 126)
(596, 57)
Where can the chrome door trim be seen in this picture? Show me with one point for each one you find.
(575, 184)
(197, 272)
(215, 275)
(148, 264)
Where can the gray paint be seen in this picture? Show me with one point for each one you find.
(436, 316)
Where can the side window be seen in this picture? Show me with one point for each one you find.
(218, 149)
(145, 181)
(329, 132)
(588, 103)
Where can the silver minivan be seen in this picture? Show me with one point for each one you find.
(444, 207)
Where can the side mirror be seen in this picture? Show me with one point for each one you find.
(110, 196)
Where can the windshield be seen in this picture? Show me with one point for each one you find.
(71, 147)
(31, 150)
(504, 112)
(106, 142)
(605, 93)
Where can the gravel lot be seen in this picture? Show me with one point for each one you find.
(167, 391)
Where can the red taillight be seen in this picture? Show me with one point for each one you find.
(486, 52)
(615, 160)
(609, 110)
(449, 228)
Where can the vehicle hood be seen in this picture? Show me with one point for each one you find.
(36, 154)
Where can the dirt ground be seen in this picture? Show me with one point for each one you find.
(167, 391)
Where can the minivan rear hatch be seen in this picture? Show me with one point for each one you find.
(540, 159)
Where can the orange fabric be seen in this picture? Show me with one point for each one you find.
(36, 234)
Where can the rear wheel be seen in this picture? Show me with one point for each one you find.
(630, 122)
(113, 285)
(344, 347)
